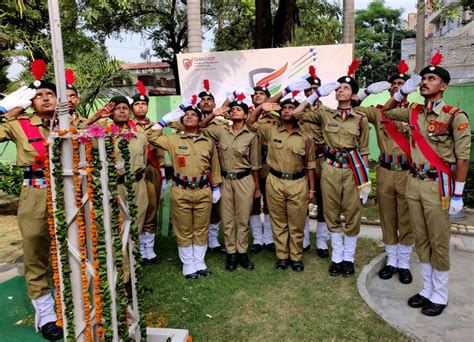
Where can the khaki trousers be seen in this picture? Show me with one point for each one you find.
(153, 189)
(393, 207)
(287, 203)
(33, 223)
(191, 210)
(317, 188)
(340, 196)
(236, 205)
(431, 225)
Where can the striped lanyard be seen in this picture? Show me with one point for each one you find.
(344, 112)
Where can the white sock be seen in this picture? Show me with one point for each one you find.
(199, 252)
(337, 242)
(322, 235)
(350, 243)
(267, 230)
(213, 234)
(44, 310)
(427, 274)
(440, 287)
(148, 241)
(392, 255)
(256, 226)
(187, 258)
(404, 253)
(306, 240)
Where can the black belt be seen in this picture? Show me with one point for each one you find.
(138, 177)
(424, 175)
(236, 175)
(395, 166)
(342, 159)
(191, 185)
(29, 174)
(288, 176)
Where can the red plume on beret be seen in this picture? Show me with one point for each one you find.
(70, 79)
(266, 85)
(352, 68)
(402, 67)
(141, 88)
(38, 69)
(312, 71)
(294, 93)
(240, 97)
(194, 100)
(206, 85)
(436, 59)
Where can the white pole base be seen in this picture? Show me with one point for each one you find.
(164, 335)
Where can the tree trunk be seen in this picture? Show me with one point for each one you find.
(284, 24)
(194, 26)
(420, 36)
(263, 24)
(348, 23)
(174, 67)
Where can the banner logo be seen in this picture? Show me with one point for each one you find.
(187, 63)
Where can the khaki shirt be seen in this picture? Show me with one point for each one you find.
(137, 147)
(385, 142)
(12, 130)
(287, 152)
(142, 127)
(193, 157)
(450, 142)
(337, 133)
(236, 152)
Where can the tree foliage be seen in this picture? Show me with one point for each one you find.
(376, 28)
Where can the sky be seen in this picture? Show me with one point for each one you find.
(129, 47)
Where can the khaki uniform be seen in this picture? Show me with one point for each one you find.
(32, 210)
(190, 157)
(238, 153)
(338, 186)
(431, 225)
(153, 183)
(391, 183)
(288, 153)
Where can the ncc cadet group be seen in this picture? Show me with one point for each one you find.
(258, 161)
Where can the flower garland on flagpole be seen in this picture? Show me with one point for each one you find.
(52, 234)
(61, 235)
(82, 237)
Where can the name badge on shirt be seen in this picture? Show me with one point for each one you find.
(182, 147)
(277, 140)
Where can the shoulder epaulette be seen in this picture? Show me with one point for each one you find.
(451, 110)
(415, 105)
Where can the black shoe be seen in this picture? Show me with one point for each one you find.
(257, 248)
(387, 272)
(218, 249)
(231, 264)
(191, 276)
(281, 264)
(307, 248)
(322, 253)
(418, 301)
(297, 266)
(347, 268)
(51, 331)
(152, 261)
(270, 247)
(204, 273)
(245, 262)
(335, 269)
(404, 275)
(433, 309)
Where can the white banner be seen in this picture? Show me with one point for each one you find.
(230, 70)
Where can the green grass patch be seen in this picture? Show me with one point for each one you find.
(264, 304)
(371, 213)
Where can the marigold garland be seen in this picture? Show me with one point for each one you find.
(52, 234)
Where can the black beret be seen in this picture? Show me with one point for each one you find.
(38, 84)
(194, 109)
(313, 81)
(262, 88)
(140, 97)
(240, 104)
(441, 72)
(120, 99)
(71, 87)
(291, 101)
(205, 93)
(400, 76)
(351, 81)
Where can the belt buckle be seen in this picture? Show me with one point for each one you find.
(193, 185)
(287, 176)
(396, 167)
(231, 175)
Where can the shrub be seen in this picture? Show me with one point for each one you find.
(11, 179)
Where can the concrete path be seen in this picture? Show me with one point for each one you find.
(389, 297)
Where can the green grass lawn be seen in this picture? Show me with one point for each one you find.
(264, 304)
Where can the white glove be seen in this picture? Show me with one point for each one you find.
(173, 116)
(298, 85)
(246, 91)
(327, 88)
(19, 98)
(364, 192)
(216, 194)
(455, 205)
(374, 88)
(409, 87)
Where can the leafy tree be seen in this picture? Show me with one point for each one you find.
(376, 28)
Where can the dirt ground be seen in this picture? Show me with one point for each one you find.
(10, 239)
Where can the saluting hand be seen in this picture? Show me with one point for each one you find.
(270, 106)
(410, 86)
(105, 111)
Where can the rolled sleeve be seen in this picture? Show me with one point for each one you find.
(462, 136)
(255, 154)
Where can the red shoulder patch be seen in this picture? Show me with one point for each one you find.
(451, 110)
(463, 126)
